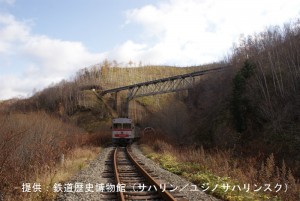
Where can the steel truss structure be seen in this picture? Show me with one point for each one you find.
(160, 86)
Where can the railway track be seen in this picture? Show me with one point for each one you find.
(134, 181)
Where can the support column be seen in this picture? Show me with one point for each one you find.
(116, 101)
(126, 112)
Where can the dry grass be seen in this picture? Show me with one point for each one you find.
(31, 146)
(76, 160)
(201, 165)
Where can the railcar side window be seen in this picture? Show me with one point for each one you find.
(117, 125)
(127, 126)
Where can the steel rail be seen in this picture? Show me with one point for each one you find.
(166, 195)
(117, 178)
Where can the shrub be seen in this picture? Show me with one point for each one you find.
(30, 144)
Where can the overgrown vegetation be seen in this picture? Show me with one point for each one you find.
(249, 112)
(254, 106)
(273, 90)
(75, 160)
(31, 145)
(251, 109)
(222, 174)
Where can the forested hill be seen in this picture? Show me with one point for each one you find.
(110, 74)
(251, 111)
(72, 99)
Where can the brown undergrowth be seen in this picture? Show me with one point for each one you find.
(75, 160)
(221, 167)
(31, 145)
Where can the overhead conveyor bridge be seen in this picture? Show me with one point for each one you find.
(160, 86)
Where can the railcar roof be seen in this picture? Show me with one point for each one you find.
(122, 120)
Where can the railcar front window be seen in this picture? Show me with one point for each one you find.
(118, 126)
(127, 126)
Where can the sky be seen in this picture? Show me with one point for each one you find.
(45, 41)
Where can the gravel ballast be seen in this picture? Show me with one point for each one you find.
(173, 179)
(93, 175)
(90, 175)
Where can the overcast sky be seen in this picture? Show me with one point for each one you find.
(43, 42)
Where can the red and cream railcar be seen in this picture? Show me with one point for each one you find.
(123, 131)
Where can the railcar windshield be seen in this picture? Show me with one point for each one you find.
(117, 125)
(127, 126)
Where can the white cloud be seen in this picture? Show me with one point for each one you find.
(127, 51)
(173, 32)
(10, 2)
(12, 32)
(199, 31)
(59, 57)
(43, 60)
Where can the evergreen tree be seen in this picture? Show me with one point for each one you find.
(240, 106)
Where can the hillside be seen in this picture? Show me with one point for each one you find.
(247, 118)
(75, 101)
(109, 75)
(248, 113)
